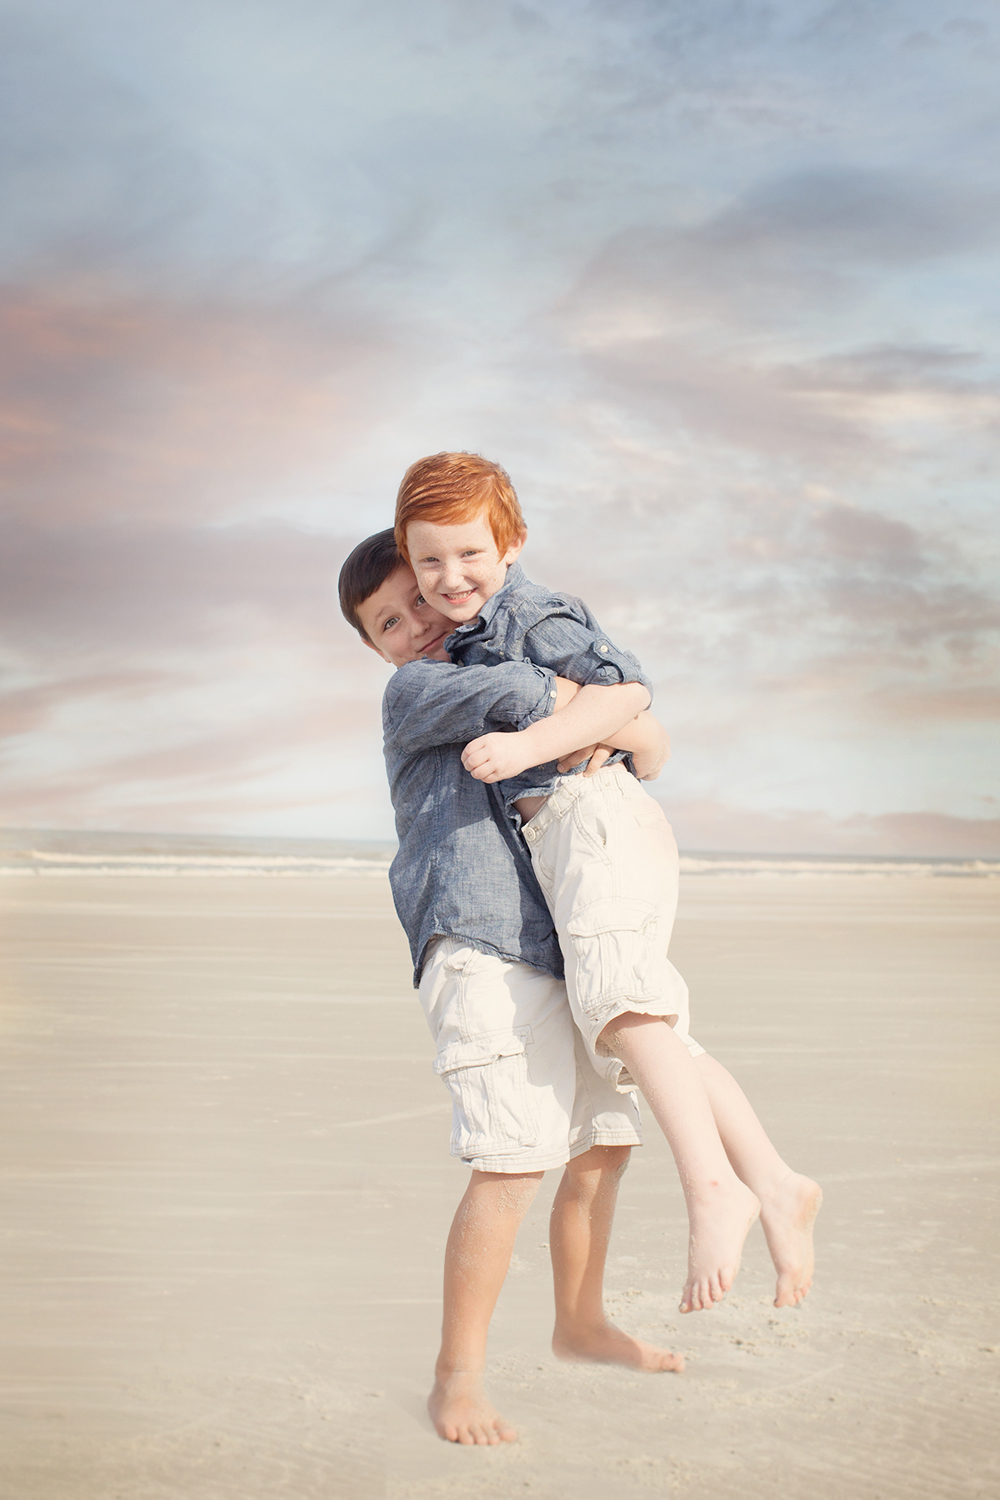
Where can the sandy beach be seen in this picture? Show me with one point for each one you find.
(226, 1189)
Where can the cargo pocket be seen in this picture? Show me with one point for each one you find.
(487, 1074)
(614, 953)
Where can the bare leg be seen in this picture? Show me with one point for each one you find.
(789, 1202)
(720, 1207)
(476, 1261)
(579, 1232)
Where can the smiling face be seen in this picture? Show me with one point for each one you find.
(400, 625)
(459, 567)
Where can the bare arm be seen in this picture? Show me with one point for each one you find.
(594, 713)
(645, 737)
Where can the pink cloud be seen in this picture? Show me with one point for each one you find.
(29, 708)
(707, 825)
(140, 408)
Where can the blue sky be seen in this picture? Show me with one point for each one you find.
(715, 282)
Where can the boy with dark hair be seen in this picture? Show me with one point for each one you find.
(606, 859)
(525, 1097)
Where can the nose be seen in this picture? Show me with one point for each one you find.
(420, 625)
(451, 573)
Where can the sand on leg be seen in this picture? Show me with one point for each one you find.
(720, 1207)
(789, 1202)
(476, 1262)
(579, 1233)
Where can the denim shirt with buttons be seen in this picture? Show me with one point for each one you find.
(527, 622)
(462, 870)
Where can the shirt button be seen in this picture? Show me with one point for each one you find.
(603, 647)
(553, 693)
(529, 834)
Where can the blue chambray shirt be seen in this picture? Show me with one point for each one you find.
(527, 622)
(461, 870)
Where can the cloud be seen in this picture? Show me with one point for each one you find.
(146, 409)
(953, 704)
(251, 729)
(747, 329)
(709, 280)
(845, 217)
(136, 588)
(715, 826)
(802, 243)
(88, 168)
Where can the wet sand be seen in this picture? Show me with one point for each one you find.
(226, 1190)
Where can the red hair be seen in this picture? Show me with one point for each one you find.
(448, 488)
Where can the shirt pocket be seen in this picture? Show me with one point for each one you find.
(493, 1108)
(615, 951)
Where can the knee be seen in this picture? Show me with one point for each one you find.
(612, 1038)
(504, 1192)
(617, 1160)
(608, 1161)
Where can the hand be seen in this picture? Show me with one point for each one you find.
(495, 757)
(594, 755)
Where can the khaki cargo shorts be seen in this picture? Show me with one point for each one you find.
(525, 1095)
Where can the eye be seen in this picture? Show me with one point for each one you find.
(391, 623)
(419, 600)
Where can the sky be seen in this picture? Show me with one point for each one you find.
(714, 280)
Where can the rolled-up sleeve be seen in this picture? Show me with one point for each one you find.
(573, 646)
(436, 703)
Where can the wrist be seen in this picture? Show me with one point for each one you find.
(530, 734)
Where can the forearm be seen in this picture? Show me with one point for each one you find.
(648, 742)
(595, 714)
(641, 735)
(566, 691)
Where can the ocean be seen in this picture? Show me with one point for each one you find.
(55, 852)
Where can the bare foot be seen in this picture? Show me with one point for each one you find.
(462, 1414)
(720, 1220)
(787, 1216)
(607, 1345)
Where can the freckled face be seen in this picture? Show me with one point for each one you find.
(459, 567)
(401, 626)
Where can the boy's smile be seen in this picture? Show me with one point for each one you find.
(399, 623)
(459, 567)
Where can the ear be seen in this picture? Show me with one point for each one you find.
(372, 647)
(513, 551)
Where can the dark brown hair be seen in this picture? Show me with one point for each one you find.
(365, 571)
